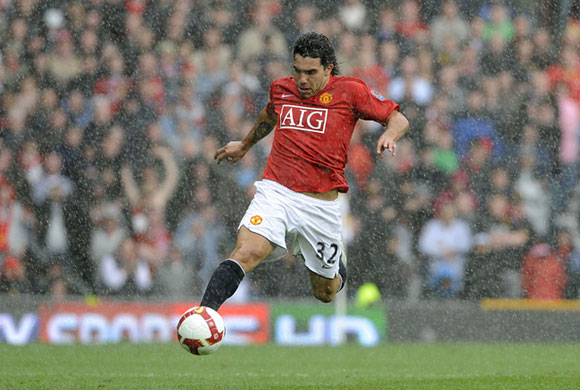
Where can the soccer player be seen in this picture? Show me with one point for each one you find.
(314, 114)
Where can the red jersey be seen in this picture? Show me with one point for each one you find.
(311, 140)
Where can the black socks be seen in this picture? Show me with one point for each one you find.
(223, 284)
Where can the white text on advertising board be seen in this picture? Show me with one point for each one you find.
(326, 330)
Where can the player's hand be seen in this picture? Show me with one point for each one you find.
(386, 142)
(232, 152)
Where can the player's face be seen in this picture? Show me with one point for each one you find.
(310, 75)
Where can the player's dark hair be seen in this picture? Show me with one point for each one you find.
(314, 45)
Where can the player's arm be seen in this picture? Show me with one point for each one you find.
(235, 150)
(397, 126)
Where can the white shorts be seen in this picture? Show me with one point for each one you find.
(313, 227)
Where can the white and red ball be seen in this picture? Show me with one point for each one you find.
(201, 330)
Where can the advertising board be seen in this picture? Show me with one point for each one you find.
(316, 324)
(113, 322)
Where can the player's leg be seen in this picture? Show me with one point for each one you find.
(250, 250)
(318, 224)
(261, 235)
(325, 289)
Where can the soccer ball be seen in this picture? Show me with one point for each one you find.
(201, 330)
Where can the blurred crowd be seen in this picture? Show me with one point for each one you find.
(111, 111)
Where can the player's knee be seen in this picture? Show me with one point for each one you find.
(325, 295)
(248, 256)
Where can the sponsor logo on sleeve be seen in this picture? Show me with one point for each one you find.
(377, 95)
(303, 118)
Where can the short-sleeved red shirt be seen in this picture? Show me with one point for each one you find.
(311, 140)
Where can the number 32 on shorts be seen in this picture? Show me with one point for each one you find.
(327, 253)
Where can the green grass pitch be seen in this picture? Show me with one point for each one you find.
(271, 367)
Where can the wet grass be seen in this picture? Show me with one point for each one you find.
(391, 366)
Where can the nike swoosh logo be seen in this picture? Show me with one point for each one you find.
(285, 95)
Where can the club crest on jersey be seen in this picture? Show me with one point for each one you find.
(303, 118)
(377, 95)
(256, 220)
(325, 98)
